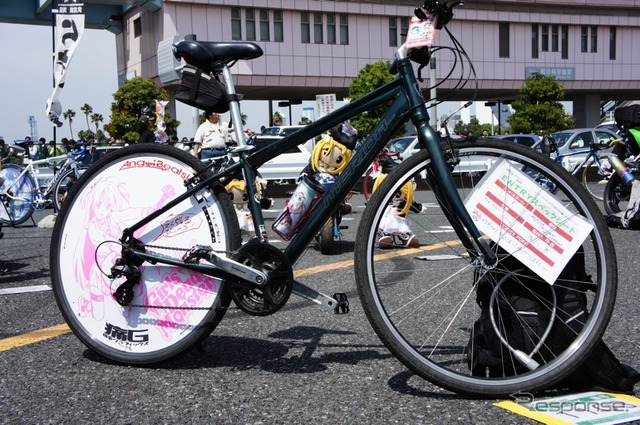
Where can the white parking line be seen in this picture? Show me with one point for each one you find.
(24, 289)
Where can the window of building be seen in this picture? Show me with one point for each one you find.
(236, 24)
(584, 38)
(278, 26)
(250, 22)
(404, 28)
(612, 43)
(264, 25)
(594, 39)
(554, 38)
(534, 41)
(305, 29)
(503, 40)
(318, 37)
(331, 28)
(393, 32)
(545, 38)
(344, 29)
(137, 28)
(565, 41)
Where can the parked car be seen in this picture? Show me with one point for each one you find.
(287, 166)
(573, 144)
(283, 130)
(608, 125)
(521, 139)
(407, 146)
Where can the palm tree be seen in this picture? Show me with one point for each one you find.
(68, 115)
(88, 110)
(96, 119)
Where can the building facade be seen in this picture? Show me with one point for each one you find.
(314, 47)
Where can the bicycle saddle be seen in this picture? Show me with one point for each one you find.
(203, 54)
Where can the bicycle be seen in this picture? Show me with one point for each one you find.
(21, 194)
(594, 169)
(143, 272)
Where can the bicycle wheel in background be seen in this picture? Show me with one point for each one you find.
(418, 290)
(17, 194)
(616, 194)
(593, 181)
(173, 308)
(63, 185)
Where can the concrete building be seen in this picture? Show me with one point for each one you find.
(315, 47)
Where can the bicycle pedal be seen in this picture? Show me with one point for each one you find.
(343, 303)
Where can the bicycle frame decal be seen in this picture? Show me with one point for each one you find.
(537, 230)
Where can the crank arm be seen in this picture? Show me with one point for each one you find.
(314, 296)
(238, 270)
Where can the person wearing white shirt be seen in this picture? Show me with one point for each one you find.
(211, 137)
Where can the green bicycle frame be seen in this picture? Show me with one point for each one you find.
(407, 103)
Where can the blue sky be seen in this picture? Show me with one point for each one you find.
(27, 80)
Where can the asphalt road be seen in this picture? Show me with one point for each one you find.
(301, 365)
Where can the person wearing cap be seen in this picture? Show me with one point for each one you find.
(211, 137)
(145, 130)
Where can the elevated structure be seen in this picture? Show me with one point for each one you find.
(316, 47)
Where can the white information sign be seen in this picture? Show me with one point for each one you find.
(521, 216)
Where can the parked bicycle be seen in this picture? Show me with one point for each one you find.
(593, 171)
(21, 193)
(146, 253)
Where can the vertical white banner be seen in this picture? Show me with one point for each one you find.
(326, 103)
(69, 26)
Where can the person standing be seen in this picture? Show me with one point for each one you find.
(145, 131)
(211, 137)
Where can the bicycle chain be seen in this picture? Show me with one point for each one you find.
(168, 307)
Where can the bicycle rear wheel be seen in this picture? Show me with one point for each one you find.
(173, 308)
(17, 194)
(421, 300)
(63, 186)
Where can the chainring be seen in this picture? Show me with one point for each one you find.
(265, 300)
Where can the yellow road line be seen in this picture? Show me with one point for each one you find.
(33, 337)
(58, 330)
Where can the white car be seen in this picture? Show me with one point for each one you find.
(287, 166)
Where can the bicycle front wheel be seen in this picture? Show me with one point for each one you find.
(16, 194)
(173, 308)
(418, 284)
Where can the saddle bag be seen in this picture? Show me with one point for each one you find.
(201, 90)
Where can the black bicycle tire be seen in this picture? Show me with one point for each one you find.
(29, 211)
(376, 310)
(367, 184)
(585, 182)
(226, 222)
(326, 241)
(611, 198)
(56, 186)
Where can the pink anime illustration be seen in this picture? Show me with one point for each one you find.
(109, 208)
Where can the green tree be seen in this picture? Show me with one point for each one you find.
(539, 109)
(96, 119)
(369, 78)
(88, 110)
(135, 98)
(69, 115)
